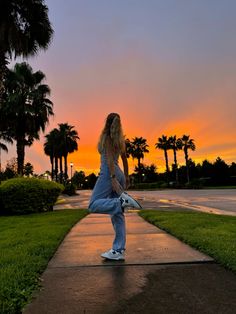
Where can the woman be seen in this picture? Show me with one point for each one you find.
(108, 195)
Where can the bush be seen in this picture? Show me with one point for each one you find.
(28, 195)
(69, 189)
(194, 184)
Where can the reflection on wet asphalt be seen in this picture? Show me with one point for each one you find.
(214, 201)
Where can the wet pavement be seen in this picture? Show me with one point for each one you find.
(160, 274)
(218, 201)
(146, 244)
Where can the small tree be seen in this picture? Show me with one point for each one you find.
(137, 148)
(149, 173)
(232, 169)
(90, 181)
(4, 137)
(221, 171)
(78, 178)
(28, 169)
(11, 168)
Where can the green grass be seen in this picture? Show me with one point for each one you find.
(214, 235)
(225, 187)
(26, 245)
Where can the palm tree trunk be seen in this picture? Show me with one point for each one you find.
(3, 69)
(61, 169)
(52, 166)
(65, 167)
(20, 149)
(176, 167)
(139, 170)
(187, 165)
(56, 168)
(167, 166)
(166, 159)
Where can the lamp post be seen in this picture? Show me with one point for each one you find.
(71, 166)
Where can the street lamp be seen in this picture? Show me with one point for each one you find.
(71, 166)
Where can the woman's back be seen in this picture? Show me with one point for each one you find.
(104, 157)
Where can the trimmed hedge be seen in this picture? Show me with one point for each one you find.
(28, 195)
(146, 186)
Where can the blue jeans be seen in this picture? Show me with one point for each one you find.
(105, 201)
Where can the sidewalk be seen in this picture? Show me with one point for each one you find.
(160, 274)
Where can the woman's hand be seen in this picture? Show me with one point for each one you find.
(116, 186)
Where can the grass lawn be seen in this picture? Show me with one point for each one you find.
(214, 235)
(26, 245)
(219, 187)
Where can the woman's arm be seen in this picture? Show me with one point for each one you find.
(126, 169)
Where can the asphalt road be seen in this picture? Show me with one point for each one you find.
(204, 200)
(219, 201)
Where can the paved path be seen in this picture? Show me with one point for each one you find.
(160, 274)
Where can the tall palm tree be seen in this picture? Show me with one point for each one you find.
(187, 143)
(24, 30)
(27, 108)
(68, 142)
(128, 147)
(6, 138)
(137, 148)
(175, 145)
(51, 149)
(164, 144)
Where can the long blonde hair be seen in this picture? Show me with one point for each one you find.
(113, 133)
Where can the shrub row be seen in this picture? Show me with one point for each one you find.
(154, 185)
(69, 189)
(194, 184)
(28, 195)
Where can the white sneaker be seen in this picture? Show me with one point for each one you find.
(113, 255)
(128, 201)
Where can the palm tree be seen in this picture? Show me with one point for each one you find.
(136, 148)
(175, 145)
(164, 144)
(128, 147)
(26, 108)
(187, 143)
(6, 138)
(51, 149)
(67, 142)
(24, 29)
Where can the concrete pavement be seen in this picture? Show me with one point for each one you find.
(160, 274)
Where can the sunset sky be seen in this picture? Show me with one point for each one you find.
(167, 66)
